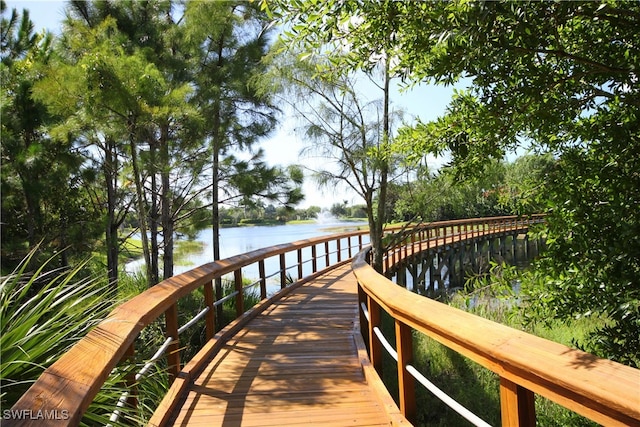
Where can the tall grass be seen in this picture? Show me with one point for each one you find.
(492, 297)
(42, 314)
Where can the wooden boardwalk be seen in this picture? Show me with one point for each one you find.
(299, 362)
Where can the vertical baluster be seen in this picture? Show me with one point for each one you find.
(263, 280)
(299, 263)
(349, 245)
(283, 272)
(314, 258)
(237, 279)
(338, 249)
(210, 317)
(173, 356)
(375, 346)
(406, 382)
(517, 405)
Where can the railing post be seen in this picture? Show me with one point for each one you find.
(299, 263)
(326, 253)
(173, 356)
(210, 317)
(237, 279)
(349, 245)
(263, 281)
(406, 382)
(314, 258)
(444, 236)
(394, 249)
(218, 295)
(517, 405)
(364, 323)
(375, 346)
(130, 379)
(386, 262)
(338, 249)
(283, 272)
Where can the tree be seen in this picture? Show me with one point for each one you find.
(544, 75)
(558, 76)
(229, 49)
(125, 92)
(229, 40)
(44, 181)
(351, 133)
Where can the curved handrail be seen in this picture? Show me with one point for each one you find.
(599, 389)
(66, 389)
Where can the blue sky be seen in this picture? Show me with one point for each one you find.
(283, 148)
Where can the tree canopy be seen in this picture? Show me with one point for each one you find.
(555, 77)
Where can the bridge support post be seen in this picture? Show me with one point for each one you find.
(210, 317)
(375, 346)
(173, 356)
(237, 278)
(517, 405)
(130, 380)
(406, 382)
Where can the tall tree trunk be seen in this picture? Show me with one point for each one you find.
(153, 214)
(165, 202)
(378, 250)
(110, 171)
(140, 201)
(216, 145)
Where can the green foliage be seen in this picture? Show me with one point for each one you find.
(42, 314)
(541, 75)
(500, 188)
(592, 266)
(45, 187)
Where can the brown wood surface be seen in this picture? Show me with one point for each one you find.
(298, 362)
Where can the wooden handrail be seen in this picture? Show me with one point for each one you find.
(66, 389)
(602, 390)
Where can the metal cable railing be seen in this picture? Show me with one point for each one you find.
(437, 392)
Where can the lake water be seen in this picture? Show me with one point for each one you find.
(238, 240)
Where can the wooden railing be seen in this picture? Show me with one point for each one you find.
(65, 390)
(599, 389)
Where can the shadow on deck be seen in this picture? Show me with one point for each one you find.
(300, 361)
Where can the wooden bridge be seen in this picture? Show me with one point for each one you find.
(310, 353)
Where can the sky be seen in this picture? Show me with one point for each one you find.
(283, 148)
